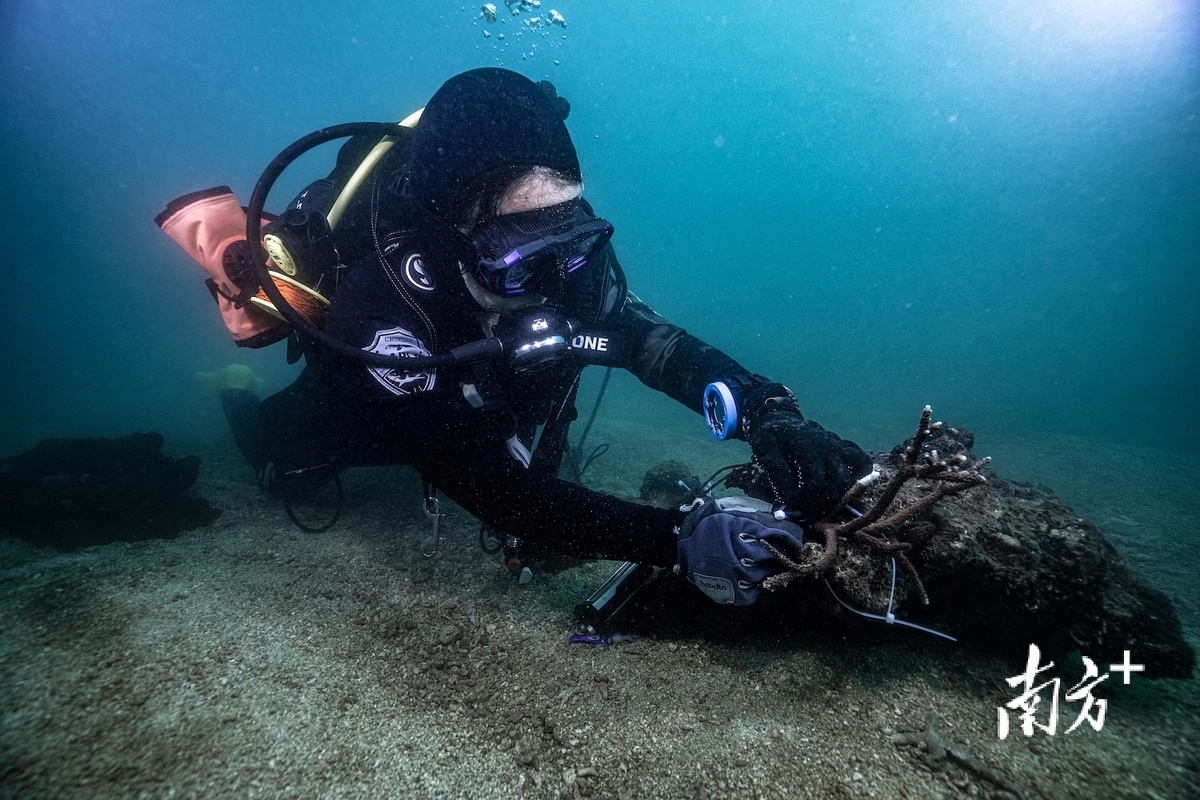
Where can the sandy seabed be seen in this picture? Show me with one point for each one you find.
(249, 659)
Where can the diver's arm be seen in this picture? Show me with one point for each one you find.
(809, 468)
(552, 513)
(667, 358)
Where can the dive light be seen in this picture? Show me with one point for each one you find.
(720, 410)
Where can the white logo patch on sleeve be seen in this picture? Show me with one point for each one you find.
(399, 342)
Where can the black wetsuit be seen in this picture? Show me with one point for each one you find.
(405, 294)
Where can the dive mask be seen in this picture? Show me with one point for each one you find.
(533, 250)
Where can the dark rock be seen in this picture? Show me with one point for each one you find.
(1008, 565)
(669, 484)
(72, 493)
(1005, 565)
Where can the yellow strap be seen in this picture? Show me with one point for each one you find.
(364, 169)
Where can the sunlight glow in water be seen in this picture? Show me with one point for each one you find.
(1131, 25)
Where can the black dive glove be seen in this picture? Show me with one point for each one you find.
(809, 468)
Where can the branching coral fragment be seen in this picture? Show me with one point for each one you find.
(948, 475)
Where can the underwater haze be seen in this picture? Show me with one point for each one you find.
(990, 207)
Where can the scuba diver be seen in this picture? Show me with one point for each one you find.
(463, 284)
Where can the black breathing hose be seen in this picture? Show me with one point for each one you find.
(474, 351)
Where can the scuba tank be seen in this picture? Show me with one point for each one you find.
(302, 254)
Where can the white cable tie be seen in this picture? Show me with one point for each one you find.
(881, 618)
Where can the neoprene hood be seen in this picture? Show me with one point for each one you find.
(481, 121)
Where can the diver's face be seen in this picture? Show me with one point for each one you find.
(540, 188)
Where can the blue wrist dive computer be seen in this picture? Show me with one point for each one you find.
(720, 410)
